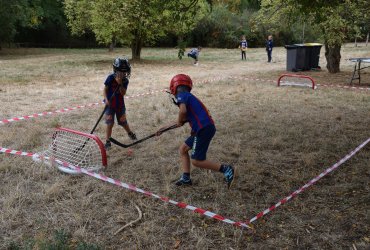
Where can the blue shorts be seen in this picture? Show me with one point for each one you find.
(111, 112)
(193, 56)
(200, 142)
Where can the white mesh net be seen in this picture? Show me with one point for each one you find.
(300, 83)
(76, 148)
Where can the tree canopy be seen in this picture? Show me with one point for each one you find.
(131, 22)
(18, 13)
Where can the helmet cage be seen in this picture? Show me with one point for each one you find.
(122, 65)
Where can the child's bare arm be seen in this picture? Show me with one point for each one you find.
(119, 78)
(105, 94)
(181, 120)
(161, 130)
(122, 90)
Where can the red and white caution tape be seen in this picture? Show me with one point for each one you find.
(64, 110)
(343, 87)
(347, 87)
(310, 183)
(37, 157)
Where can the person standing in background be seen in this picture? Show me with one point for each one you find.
(269, 46)
(243, 47)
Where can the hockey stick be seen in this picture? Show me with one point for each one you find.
(97, 122)
(102, 113)
(141, 140)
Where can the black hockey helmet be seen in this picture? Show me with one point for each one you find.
(122, 64)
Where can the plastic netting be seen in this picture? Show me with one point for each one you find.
(78, 149)
(297, 81)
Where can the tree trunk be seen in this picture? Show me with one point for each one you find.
(111, 47)
(367, 39)
(112, 44)
(136, 46)
(333, 56)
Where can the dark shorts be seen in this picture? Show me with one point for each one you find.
(200, 142)
(193, 56)
(111, 112)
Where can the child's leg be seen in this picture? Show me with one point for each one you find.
(185, 159)
(108, 131)
(109, 120)
(206, 164)
(269, 55)
(199, 153)
(185, 163)
(123, 122)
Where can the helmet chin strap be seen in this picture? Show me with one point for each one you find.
(171, 96)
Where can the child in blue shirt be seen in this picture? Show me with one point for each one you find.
(194, 53)
(192, 110)
(269, 46)
(243, 47)
(116, 84)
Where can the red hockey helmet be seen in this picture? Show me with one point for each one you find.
(178, 80)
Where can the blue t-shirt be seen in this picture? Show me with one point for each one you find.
(269, 45)
(197, 114)
(194, 52)
(243, 44)
(117, 101)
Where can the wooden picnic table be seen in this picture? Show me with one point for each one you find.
(356, 75)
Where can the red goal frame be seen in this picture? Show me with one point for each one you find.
(297, 76)
(90, 136)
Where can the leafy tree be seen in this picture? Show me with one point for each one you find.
(16, 13)
(183, 16)
(51, 29)
(223, 26)
(236, 6)
(336, 19)
(132, 22)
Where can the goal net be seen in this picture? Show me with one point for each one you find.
(296, 80)
(76, 148)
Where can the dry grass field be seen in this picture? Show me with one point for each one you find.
(279, 138)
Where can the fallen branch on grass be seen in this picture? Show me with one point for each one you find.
(132, 222)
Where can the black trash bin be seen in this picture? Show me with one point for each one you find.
(314, 54)
(302, 57)
(297, 58)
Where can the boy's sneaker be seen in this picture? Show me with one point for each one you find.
(229, 175)
(183, 182)
(108, 145)
(132, 135)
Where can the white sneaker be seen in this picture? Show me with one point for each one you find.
(196, 64)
